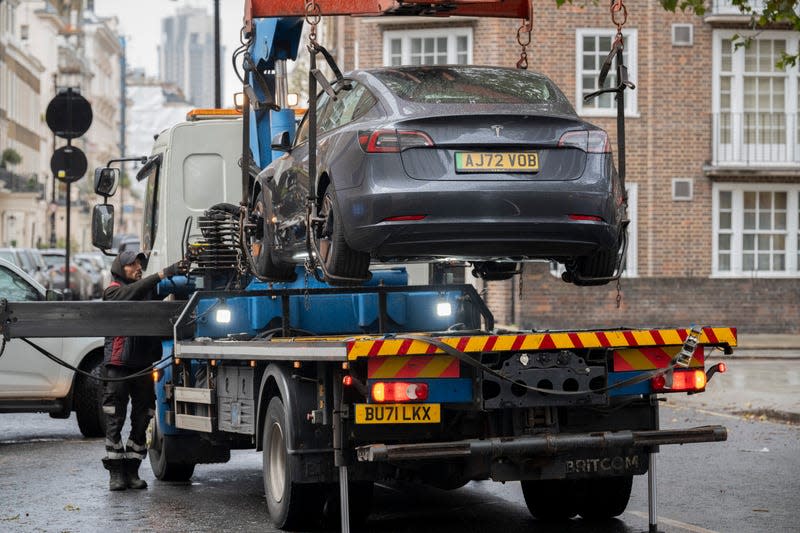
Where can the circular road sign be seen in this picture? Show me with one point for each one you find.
(68, 164)
(69, 114)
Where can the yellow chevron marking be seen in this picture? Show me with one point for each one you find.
(476, 344)
(436, 366)
(670, 336)
(562, 340)
(589, 340)
(390, 367)
(643, 338)
(504, 343)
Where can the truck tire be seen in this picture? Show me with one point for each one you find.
(550, 500)
(163, 468)
(288, 502)
(604, 498)
(88, 400)
(340, 260)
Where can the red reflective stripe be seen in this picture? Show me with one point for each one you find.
(576, 340)
(462, 344)
(431, 349)
(657, 338)
(630, 338)
(375, 348)
(490, 342)
(712, 337)
(603, 339)
(518, 342)
(404, 347)
(547, 343)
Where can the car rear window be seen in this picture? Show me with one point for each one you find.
(470, 85)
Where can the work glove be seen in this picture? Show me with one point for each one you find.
(181, 268)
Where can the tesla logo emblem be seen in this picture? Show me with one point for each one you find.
(497, 130)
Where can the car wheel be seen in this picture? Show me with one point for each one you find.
(163, 468)
(494, 271)
(88, 400)
(261, 246)
(290, 504)
(604, 498)
(550, 500)
(340, 260)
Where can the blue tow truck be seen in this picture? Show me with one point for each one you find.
(342, 387)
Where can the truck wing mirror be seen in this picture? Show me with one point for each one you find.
(103, 226)
(281, 142)
(52, 295)
(106, 180)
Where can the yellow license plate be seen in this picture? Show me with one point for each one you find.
(497, 162)
(397, 413)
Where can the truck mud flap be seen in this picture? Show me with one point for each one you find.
(538, 445)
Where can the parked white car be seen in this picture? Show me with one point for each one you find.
(30, 382)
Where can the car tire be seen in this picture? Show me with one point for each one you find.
(290, 504)
(88, 400)
(265, 265)
(339, 259)
(604, 498)
(158, 453)
(550, 500)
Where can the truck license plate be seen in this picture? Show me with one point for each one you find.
(398, 413)
(497, 162)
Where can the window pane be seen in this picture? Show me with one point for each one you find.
(748, 262)
(749, 200)
(765, 200)
(780, 220)
(764, 220)
(779, 262)
(724, 262)
(780, 200)
(763, 262)
(724, 220)
(588, 43)
(749, 220)
(749, 242)
(724, 241)
(763, 243)
(725, 199)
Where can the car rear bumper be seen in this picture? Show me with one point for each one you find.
(479, 224)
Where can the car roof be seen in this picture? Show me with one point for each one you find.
(24, 275)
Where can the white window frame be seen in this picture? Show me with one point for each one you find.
(406, 35)
(732, 153)
(676, 27)
(737, 221)
(631, 39)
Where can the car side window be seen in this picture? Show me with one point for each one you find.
(302, 131)
(350, 105)
(16, 289)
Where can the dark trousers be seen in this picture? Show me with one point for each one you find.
(141, 393)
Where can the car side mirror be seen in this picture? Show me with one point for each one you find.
(52, 295)
(103, 226)
(281, 142)
(106, 180)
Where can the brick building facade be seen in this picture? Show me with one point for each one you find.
(713, 157)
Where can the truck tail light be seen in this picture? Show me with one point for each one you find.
(682, 381)
(391, 141)
(593, 142)
(399, 391)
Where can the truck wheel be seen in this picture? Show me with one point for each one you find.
(550, 500)
(88, 400)
(261, 247)
(339, 258)
(163, 469)
(604, 498)
(287, 501)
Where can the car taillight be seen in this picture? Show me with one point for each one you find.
(392, 141)
(682, 381)
(594, 141)
(399, 391)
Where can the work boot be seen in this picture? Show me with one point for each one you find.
(115, 468)
(132, 474)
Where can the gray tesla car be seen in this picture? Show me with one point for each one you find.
(484, 164)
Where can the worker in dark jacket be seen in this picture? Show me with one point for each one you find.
(125, 356)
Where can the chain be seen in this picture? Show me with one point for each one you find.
(313, 17)
(524, 39)
(619, 16)
(308, 264)
(619, 293)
